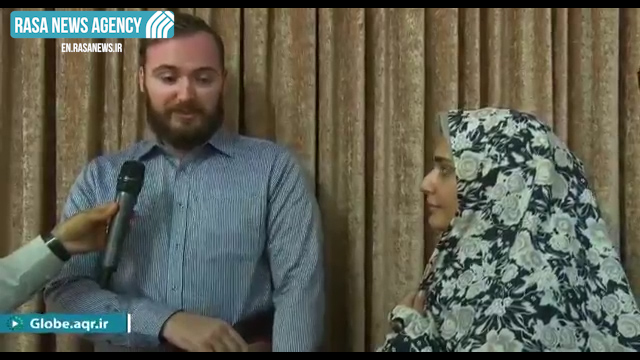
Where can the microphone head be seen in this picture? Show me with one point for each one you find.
(131, 177)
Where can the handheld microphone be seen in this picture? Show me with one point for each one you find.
(128, 188)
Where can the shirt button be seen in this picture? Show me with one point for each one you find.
(173, 288)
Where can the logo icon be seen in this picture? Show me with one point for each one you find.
(159, 25)
(14, 323)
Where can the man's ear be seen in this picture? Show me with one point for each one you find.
(141, 78)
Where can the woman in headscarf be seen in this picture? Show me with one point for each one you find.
(524, 263)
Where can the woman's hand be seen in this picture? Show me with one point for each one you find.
(416, 301)
(410, 309)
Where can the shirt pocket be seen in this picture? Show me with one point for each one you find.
(229, 225)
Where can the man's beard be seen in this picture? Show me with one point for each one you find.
(184, 139)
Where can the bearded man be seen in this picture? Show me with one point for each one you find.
(226, 227)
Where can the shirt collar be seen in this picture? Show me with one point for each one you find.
(222, 140)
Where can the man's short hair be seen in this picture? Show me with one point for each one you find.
(185, 25)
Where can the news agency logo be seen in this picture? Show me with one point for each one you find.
(159, 25)
(92, 24)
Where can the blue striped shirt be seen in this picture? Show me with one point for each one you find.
(230, 230)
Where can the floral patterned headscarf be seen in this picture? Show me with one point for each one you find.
(527, 263)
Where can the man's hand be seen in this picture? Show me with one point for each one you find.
(87, 230)
(195, 333)
(260, 346)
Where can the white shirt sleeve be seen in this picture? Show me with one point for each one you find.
(24, 272)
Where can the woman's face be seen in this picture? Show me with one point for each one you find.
(440, 187)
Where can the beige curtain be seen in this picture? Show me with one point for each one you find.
(353, 92)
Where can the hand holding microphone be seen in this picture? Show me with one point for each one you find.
(87, 230)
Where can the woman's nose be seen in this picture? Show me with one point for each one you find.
(427, 185)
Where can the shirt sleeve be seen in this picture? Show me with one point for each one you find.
(295, 252)
(25, 272)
